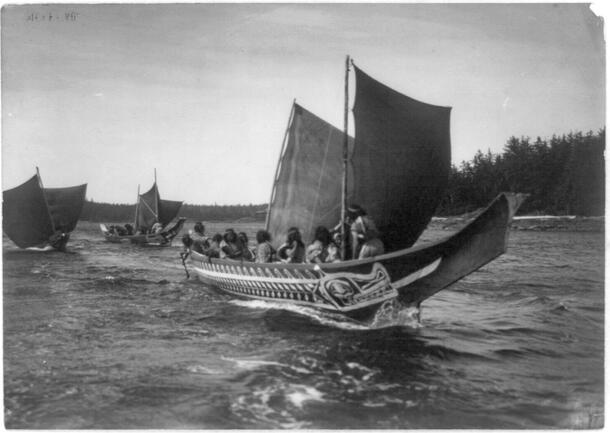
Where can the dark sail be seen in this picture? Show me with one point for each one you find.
(401, 160)
(168, 210)
(152, 209)
(65, 206)
(26, 219)
(307, 190)
(32, 214)
(147, 209)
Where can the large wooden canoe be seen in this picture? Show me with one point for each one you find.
(397, 167)
(358, 288)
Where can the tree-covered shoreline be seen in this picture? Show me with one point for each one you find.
(563, 175)
(108, 212)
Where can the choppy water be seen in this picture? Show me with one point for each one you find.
(115, 336)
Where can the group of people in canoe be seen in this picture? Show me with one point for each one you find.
(128, 230)
(362, 241)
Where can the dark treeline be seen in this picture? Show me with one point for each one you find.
(108, 212)
(123, 213)
(223, 213)
(563, 175)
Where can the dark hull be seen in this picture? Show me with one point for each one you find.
(357, 288)
(162, 239)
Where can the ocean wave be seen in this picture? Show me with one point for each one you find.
(516, 330)
(525, 352)
(116, 280)
(448, 353)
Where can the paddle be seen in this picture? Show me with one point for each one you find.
(183, 256)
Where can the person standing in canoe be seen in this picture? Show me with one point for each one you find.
(365, 240)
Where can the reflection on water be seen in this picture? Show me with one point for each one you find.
(115, 336)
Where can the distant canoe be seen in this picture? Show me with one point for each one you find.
(150, 210)
(41, 218)
(163, 238)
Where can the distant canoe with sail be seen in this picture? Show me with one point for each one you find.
(397, 167)
(150, 210)
(41, 218)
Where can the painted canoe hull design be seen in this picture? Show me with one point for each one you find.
(358, 288)
(162, 239)
(341, 291)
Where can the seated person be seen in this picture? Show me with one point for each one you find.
(317, 252)
(265, 253)
(247, 253)
(334, 249)
(337, 236)
(59, 239)
(128, 229)
(213, 250)
(199, 239)
(229, 247)
(119, 230)
(293, 250)
(371, 247)
(187, 242)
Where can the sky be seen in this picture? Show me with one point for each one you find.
(106, 94)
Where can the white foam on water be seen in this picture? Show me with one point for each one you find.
(367, 372)
(372, 404)
(262, 404)
(356, 366)
(251, 364)
(545, 217)
(392, 313)
(300, 370)
(201, 369)
(299, 394)
(319, 316)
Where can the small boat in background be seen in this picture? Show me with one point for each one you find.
(151, 223)
(397, 166)
(39, 218)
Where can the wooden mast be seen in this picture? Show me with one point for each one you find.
(345, 156)
(46, 203)
(156, 197)
(135, 224)
(279, 163)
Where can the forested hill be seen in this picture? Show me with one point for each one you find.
(564, 175)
